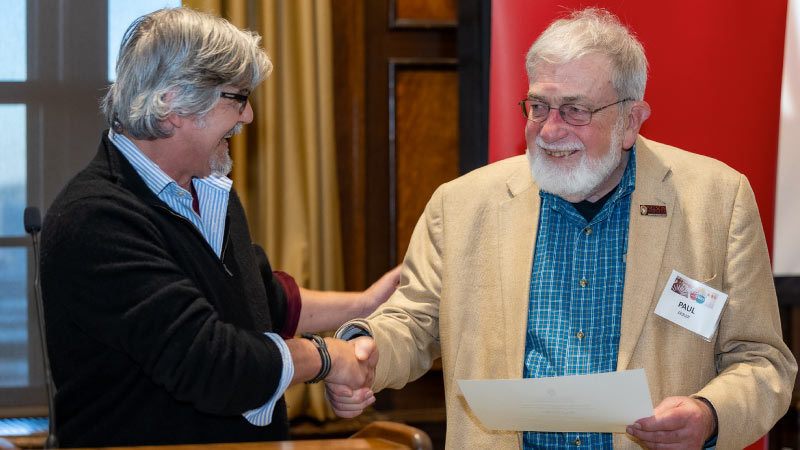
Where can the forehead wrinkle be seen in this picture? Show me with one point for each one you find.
(585, 80)
(562, 100)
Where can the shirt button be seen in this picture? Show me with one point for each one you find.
(588, 230)
(584, 282)
(577, 442)
(580, 335)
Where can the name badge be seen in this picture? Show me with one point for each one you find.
(691, 304)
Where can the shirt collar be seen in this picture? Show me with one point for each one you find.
(155, 178)
(628, 182)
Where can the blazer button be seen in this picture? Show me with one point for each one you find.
(580, 335)
(584, 282)
(577, 442)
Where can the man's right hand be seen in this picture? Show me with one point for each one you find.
(352, 373)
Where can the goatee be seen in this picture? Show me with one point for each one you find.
(221, 163)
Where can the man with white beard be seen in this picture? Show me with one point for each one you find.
(554, 263)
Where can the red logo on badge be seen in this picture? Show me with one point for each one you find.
(653, 210)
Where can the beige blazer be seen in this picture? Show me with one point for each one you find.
(464, 294)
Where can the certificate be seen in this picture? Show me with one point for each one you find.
(605, 402)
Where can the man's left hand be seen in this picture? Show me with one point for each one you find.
(380, 291)
(676, 423)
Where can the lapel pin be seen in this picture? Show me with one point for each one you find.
(653, 210)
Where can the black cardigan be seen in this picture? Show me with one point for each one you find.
(152, 338)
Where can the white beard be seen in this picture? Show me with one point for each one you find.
(221, 163)
(581, 181)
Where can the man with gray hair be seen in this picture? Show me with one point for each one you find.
(559, 263)
(165, 323)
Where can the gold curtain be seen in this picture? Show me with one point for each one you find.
(285, 161)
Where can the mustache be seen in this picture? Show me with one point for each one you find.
(559, 146)
(235, 130)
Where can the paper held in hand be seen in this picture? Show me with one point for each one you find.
(605, 402)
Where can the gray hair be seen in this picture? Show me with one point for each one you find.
(176, 61)
(594, 31)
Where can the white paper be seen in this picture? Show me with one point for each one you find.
(605, 402)
(691, 304)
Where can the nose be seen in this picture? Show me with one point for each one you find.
(553, 128)
(247, 115)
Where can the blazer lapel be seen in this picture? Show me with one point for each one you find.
(647, 240)
(518, 222)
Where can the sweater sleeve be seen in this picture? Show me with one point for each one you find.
(283, 295)
(262, 416)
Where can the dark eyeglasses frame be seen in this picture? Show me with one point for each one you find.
(563, 113)
(240, 97)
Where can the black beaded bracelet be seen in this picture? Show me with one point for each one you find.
(323, 354)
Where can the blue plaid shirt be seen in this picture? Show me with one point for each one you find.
(576, 298)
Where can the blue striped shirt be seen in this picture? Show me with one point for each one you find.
(575, 300)
(212, 194)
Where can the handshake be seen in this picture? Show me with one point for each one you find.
(348, 386)
(348, 379)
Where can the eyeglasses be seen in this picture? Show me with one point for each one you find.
(240, 97)
(578, 115)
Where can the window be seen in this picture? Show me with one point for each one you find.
(55, 63)
(13, 63)
(121, 13)
(14, 370)
(13, 255)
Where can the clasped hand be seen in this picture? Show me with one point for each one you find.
(348, 387)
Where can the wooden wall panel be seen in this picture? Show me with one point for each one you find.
(348, 106)
(387, 46)
(410, 11)
(369, 44)
(425, 147)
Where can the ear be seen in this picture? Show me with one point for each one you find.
(639, 112)
(173, 121)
